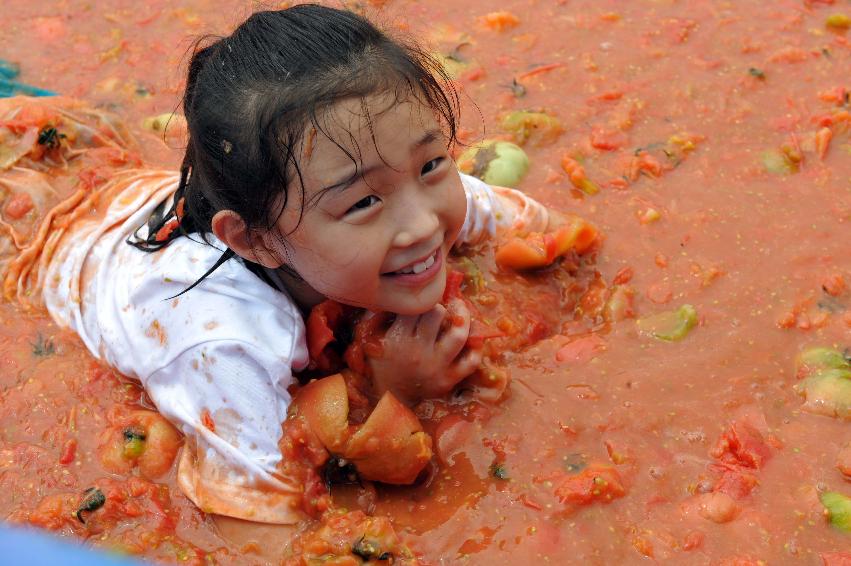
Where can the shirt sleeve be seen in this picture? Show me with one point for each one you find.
(494, 209)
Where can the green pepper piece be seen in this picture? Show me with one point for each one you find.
(134, 442)
(670, 326)
(838, 509)
(495, 162)
(523, 124)
(819, 358)
(828, 392)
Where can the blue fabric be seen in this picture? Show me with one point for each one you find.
(10, 87)
(9, 70)
(35, 548)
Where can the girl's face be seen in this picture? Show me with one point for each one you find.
(376, 231)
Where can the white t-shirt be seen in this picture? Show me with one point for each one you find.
(224, 352)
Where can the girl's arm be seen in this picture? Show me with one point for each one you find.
(496, 209)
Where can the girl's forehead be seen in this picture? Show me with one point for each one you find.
(359, 127)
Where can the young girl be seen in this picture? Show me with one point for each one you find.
(317, 167)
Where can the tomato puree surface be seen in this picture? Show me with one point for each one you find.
(717, 138)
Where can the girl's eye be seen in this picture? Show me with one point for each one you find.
(364, 203)
(431, 166)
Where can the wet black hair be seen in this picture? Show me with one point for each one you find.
(250, 97)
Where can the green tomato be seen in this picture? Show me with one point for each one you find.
(495, 162)
(670, 326)
(776, 163)
(838, 509)
(819, 358)
(828, 393)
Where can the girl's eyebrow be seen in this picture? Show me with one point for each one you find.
(347, 181)
(428, 137)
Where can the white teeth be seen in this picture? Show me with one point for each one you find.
(419, 267)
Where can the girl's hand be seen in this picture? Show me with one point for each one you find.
(424, 356)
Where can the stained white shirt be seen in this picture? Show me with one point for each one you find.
(223, 353)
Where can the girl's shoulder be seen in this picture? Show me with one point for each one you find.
(230, 305)
(132, 307)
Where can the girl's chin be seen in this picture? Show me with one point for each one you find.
(404, 302)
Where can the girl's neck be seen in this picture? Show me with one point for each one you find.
(305, 296)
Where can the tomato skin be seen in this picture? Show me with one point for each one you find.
(596, 483)
(69, 452)
(18, 206)
(324, 403)
(521, 254)
(537, 250)
(736, 483)
(742, 444)
(320, 326)
(608, 140)
(581, 350)
(454, 279)
(389, 447)
(693, 540)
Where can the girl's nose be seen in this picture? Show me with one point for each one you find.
(418, 222)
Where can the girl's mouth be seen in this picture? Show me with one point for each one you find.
(419, 272)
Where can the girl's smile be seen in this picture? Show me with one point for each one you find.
(419, 272)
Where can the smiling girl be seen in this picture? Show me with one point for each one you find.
(317, 166)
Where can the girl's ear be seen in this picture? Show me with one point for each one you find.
(230, 228)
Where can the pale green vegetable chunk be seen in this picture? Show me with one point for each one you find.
(838, 509)
(814, 359)
(827, 392)
(495, 162)
(588, 187)
(525, 124)
(777, 163)
(670, 326)
(159, 124)
(453, 66)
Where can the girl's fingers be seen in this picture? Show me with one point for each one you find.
(429, 323)
(453, 340)
(466, 363)
(403, 327)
